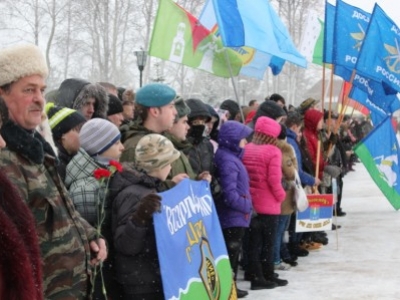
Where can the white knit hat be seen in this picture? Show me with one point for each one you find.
(97, 135)
(21, 61)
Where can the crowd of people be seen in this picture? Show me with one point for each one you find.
(64, 234)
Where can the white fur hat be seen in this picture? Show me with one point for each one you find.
(20, 61)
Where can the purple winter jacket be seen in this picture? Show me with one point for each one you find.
(234, 206)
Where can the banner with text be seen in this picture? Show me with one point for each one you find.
(191, 248)
(318, 215)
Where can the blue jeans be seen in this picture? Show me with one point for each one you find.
(283, 224)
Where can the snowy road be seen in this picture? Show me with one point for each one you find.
(363, 263)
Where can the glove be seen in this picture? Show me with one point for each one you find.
(147, 207)
(333, 138)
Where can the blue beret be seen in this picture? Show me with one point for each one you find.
(155, 95)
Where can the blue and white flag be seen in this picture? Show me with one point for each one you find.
(379, 152)
(351, 24)
(255, 24)
(191, 248)
(379, 58)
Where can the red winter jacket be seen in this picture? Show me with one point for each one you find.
(310, 134)
(264, 165)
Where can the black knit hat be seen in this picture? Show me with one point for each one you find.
(114, 105)
(269, 109)
(62, 119)
(232, 107)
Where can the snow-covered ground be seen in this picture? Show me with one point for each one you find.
(362, 259)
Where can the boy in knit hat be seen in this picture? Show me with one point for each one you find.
(65, 124)
(115, 110)
(67, 242)
(100, 143)
(133, 192)
(156, 112)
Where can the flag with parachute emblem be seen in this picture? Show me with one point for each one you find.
(379, 152)
(179, 37)
(351, 23)
(379, 58)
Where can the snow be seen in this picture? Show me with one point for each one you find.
(362, 259)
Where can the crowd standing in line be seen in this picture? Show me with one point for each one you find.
(249, 155)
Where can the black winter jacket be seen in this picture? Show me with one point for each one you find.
(136, 258)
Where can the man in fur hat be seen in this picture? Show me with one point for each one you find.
(67, 242)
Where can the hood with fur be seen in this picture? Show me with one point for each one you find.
(73, 93)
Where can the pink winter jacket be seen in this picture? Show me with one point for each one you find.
(264, 165)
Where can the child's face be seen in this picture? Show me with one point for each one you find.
(161, 174)
(114, 152)
(242, 143)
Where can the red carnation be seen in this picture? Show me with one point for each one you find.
(101, 173)
(116, 165)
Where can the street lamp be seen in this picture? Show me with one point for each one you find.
(141, 57)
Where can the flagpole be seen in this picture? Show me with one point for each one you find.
(330, 99)
(323, 88)
(233, 83)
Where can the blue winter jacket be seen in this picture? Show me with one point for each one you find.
(234, 207)
(305, 178)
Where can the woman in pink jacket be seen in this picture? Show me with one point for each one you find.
(263, 161)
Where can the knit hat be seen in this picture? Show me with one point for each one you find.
(62, 119)
(181, 108)
(232, 107)
(269, 109)
(154, 152)
(155, 95)
(98, 135)
(267, 126)
(114, 105)
(306, 104)
(21, 61)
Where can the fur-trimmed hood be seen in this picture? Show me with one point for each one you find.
(74, 92)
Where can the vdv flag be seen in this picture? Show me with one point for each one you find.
(378, 93)
(379, 152)
(177, 36)
(351, 23)
(379, 58)
(255, 24)
(190, 245)
(255, 62)
(329, 30)
(377, 113)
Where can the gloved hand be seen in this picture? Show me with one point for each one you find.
(147, 206)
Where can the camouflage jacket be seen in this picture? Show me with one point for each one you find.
(64, 235)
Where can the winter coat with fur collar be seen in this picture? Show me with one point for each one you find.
(63, 234)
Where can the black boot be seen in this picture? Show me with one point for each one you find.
(268, 272)
(258, 281)
(241, 293)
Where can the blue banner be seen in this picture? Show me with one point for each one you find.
(191, 248)
(329, 29)
(351, 24)
(379, 58)
(255, 24)
(379, 152)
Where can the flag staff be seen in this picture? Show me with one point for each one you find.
(233, 83)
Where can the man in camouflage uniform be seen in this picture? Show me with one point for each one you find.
(66, 240)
